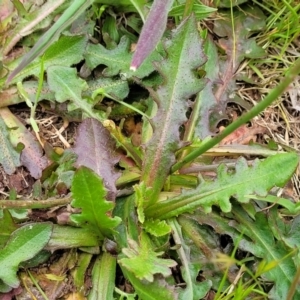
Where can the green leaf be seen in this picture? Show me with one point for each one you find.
(103, 278)
(201, 11)
(11, 95)
(89, 194)
(256, 236)
(7, 226)
(158, 289)
(258, 179)
(143, 261)
(203, 246)
(118, 60)
(189, 270)
(142, 194)
(139, 6)
(67, 51)
(156, 227)
(9, 157)
(69, 15)
(23, 245)
(67, 237)
(67, 86)
(180, 82)
(263, 244)
(206, 99)
(292, 238)
(116, 88)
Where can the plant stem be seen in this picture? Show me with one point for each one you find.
(28, 204)
(292, 72)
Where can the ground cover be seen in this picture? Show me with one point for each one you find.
(149, 150)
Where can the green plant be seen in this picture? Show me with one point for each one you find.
(127, 215)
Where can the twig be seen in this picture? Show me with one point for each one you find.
(28, 204)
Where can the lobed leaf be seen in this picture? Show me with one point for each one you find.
(69, 15)
(143, 261)
(189, 270)
(255, 235)
(67, 51)
(129, 230)
(237, 45)
(206, 97)
(158, 289)
(257, 179)
(89, 194)
(156, 227)
(264, 245)
(118, 60)
(180, 82)
(63, 81)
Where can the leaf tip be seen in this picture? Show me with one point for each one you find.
(133, 68)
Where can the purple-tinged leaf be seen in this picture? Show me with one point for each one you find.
(32, 155)
(96, 150)
(152, 31)
(189, 269)
(206, 98)
(237, 46)
(180, 82)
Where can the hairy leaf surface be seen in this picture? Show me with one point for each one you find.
(258, 179)
(152, 31)
(184, 55)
